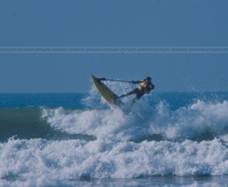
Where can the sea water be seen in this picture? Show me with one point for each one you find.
(165, 139)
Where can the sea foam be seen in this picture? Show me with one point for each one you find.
(150, 140)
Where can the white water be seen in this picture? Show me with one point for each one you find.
(199, 120)
(39, 162)
(116, 152)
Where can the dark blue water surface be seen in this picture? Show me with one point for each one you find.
(52, 100)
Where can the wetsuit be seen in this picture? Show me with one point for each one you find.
(143, 87)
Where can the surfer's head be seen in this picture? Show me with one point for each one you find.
(148, 78)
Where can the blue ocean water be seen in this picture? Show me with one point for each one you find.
(76, 139)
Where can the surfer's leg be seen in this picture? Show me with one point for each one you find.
(139, 94)
(129, 93)
(101, 79)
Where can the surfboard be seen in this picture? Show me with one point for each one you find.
(106, 92)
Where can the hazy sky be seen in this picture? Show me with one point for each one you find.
(113, 23)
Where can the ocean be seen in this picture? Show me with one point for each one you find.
(76, 139)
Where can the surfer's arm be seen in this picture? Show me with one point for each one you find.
(136, 82)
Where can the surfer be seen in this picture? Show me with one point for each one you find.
(144, 87)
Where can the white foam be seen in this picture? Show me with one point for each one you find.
(197, 120)
(101, 123)
(37, 162)
(200, 120)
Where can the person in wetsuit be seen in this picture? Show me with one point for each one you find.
(144, 87)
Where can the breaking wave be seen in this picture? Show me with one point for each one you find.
(151, 140)
(198, 121)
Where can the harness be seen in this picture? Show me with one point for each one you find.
(145, 87)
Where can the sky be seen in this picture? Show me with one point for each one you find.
(84, 23)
